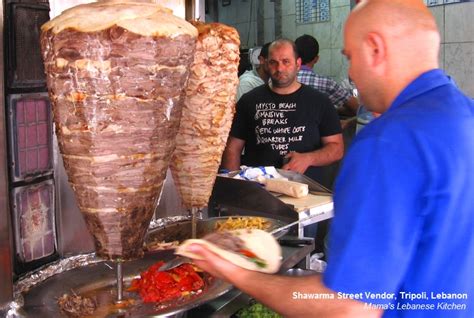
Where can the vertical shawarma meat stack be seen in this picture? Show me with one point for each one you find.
(116, 72)
(208, 111)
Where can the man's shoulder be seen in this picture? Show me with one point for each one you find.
(250, 76)
(305, 74)
(247, 73)
(261, 89)
(320, 82)
(254, 94)
(309, 90)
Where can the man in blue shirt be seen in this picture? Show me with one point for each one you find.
(402, 240)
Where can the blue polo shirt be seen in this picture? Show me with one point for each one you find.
(402, 237)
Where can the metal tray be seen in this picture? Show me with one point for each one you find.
(98, 281)
(181, 231)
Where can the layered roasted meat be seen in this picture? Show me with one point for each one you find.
(226, 241)
(208, 110)
(116, 73)
(76, 305)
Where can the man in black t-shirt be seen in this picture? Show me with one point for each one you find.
(284, 124)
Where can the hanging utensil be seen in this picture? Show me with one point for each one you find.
(291, 224)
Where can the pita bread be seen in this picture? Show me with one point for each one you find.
(259, 242)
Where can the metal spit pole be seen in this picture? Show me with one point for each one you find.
(119, 282)
(196, 213)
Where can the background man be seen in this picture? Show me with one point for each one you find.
(284, 119)
(255, 77)
(341, 98)
(411, 228)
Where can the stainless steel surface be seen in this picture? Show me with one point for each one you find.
(240, 197)
(181, 231)
(247, 198)
(99, 280)
(193, 9)
(293, 256)
(175, 262)
(318, 216)
(234, 196)
(6, 270)
(194, 212)
(291, 224)
(300, 272)
(30, 279)
(119, 278)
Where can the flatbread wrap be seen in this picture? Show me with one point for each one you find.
(254, 249)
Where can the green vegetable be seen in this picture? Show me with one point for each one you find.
(260, 263)
(257, 310)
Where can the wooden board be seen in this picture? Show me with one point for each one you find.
(308, 202)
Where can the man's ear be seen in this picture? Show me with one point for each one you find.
(375, 47)
(298, 63)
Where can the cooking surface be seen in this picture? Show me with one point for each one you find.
(181, 231)
(98, 281)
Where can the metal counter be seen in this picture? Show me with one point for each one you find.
(232, 197)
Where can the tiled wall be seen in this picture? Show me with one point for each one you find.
(457, 42)
(454, 22)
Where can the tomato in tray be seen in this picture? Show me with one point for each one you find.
(156, 286)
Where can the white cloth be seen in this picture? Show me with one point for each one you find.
(254, 173)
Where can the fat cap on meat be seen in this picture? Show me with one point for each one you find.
(144, 18)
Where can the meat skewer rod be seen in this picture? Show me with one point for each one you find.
(119, 282)
(195, 212)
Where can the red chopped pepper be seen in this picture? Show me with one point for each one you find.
(253, 258)
(156, 286)
(247, 253)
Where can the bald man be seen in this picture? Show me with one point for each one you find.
(403, 244)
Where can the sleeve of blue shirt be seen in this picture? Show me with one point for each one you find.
(376, 226)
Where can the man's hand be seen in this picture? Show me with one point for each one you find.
(214, 264)
(331, 151)
(298, 162)
(276, 291)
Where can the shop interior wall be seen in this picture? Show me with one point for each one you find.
(454, 22)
